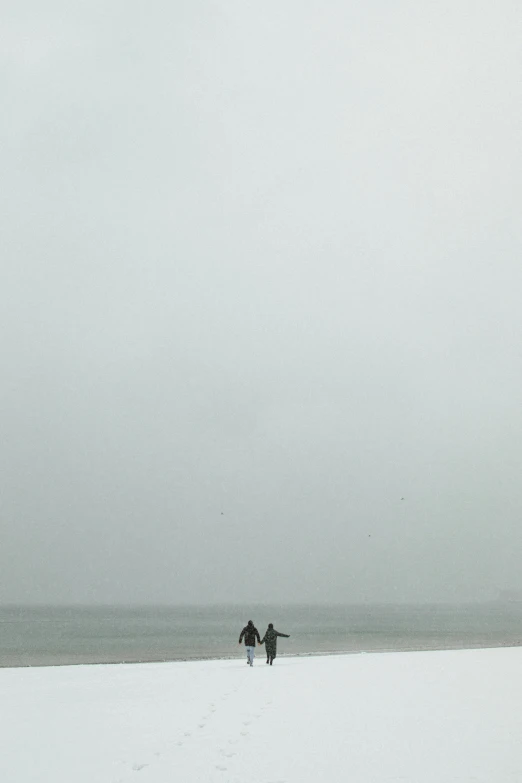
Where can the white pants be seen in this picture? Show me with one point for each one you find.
(251, 651)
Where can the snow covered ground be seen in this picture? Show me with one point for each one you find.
(423, 717)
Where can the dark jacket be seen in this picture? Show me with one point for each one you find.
(250, 633)
(270, 640)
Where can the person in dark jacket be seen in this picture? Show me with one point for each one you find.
(250, 633)
(270, 642)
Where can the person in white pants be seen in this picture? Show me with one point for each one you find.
(250, 633)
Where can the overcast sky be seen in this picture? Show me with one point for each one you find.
(261, 280)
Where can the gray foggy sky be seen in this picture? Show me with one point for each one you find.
(261, 279)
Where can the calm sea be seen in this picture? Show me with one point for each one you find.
(40, 636)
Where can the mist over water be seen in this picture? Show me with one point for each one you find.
(53, 636)
(260, 297)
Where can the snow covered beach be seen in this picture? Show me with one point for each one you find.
(424, 717)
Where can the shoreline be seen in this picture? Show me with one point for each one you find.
(134, 660)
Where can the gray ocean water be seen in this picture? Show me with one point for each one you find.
(40, 636)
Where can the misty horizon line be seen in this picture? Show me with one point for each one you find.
(253, 604)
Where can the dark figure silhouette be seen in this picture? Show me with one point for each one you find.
(270, 642)
(250, 633)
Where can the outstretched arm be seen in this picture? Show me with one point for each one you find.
(286, 635)
(257, 634)
(262, 640)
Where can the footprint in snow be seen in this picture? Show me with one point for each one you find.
(138, 767)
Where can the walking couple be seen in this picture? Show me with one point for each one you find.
(251, 633)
